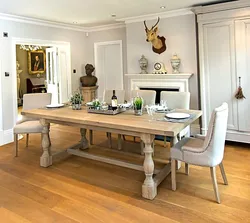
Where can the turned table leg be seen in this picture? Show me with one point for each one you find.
(46, 158)
(84, 142)
(149, 188)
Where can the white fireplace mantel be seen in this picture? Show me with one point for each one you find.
(180, 81)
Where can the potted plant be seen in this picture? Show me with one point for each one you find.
(138, 104)
(96, 104)
(76, 101)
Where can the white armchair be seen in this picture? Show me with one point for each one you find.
(27, 125)
(179, 100)
(204, 151)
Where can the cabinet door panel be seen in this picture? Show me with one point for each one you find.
(243, 70)
(219, 69)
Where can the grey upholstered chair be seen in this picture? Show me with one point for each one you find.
(27, 125)
(147, 95)
(179, 100)
(107, 95)
(206, 150)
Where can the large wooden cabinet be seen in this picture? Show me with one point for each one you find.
(224, 55)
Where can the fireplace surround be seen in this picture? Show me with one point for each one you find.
(165, 81)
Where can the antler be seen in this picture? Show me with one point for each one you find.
(145, 25)
(156, 23)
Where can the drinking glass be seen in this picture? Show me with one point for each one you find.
(149, 111)
(164, 105)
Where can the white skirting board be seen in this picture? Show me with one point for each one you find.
(6, 136)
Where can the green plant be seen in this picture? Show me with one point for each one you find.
(76, 98)
(138, 103)
(96, 103)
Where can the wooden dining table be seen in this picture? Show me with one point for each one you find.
(125, 123)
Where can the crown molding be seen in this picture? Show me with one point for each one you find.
(105, 27)
(221, 7)
(40, 22)
(60, 25)
(168, 14)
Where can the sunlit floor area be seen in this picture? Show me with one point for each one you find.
(76, 189)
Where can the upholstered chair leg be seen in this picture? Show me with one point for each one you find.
(216, 191)
(15, 145)
(27, 140)
(109, 139)
(165, 141)
(223, 174)
(119, 142)
(49, 140)
(186, 169)
(173, 174)
(91, 137)
(49, 136)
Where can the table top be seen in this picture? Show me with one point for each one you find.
(125, 121)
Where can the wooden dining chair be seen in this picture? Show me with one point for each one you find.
(177, 100)
(206, 150)
(28, 125)
(107, 95)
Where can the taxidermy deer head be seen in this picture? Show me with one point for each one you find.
(158, 42)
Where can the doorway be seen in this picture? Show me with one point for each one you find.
(109, 66)
(58, 68)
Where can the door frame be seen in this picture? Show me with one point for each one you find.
(115, 42)
(25, 41)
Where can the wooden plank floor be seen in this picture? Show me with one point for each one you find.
(81, 190)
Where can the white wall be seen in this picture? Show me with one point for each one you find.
(180, 37)
(104, 36)
(30, 31)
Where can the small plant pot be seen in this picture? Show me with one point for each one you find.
(76, 106)
(138, 112)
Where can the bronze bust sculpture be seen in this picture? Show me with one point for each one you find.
(89, 80)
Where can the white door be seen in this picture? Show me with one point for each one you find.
(57, 74)
(52, 74)
(63, 74)
(109, 66)
(242, 31)
(218, 71)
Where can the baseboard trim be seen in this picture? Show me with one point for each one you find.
(235, 136)
(6, 136)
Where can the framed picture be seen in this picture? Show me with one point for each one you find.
(36, 62)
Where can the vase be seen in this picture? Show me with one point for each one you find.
(76, 106)
(143, 64)
(138, 112)
(175, 63)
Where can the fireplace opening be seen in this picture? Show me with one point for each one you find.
(158, 92)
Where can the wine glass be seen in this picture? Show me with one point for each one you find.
(149, 111)
(164, 105)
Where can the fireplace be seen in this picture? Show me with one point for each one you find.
(157, 82)
(158, 92)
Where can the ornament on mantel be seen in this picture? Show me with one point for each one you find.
(143, 64)
(175, 63)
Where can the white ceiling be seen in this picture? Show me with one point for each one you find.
(91, 12)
